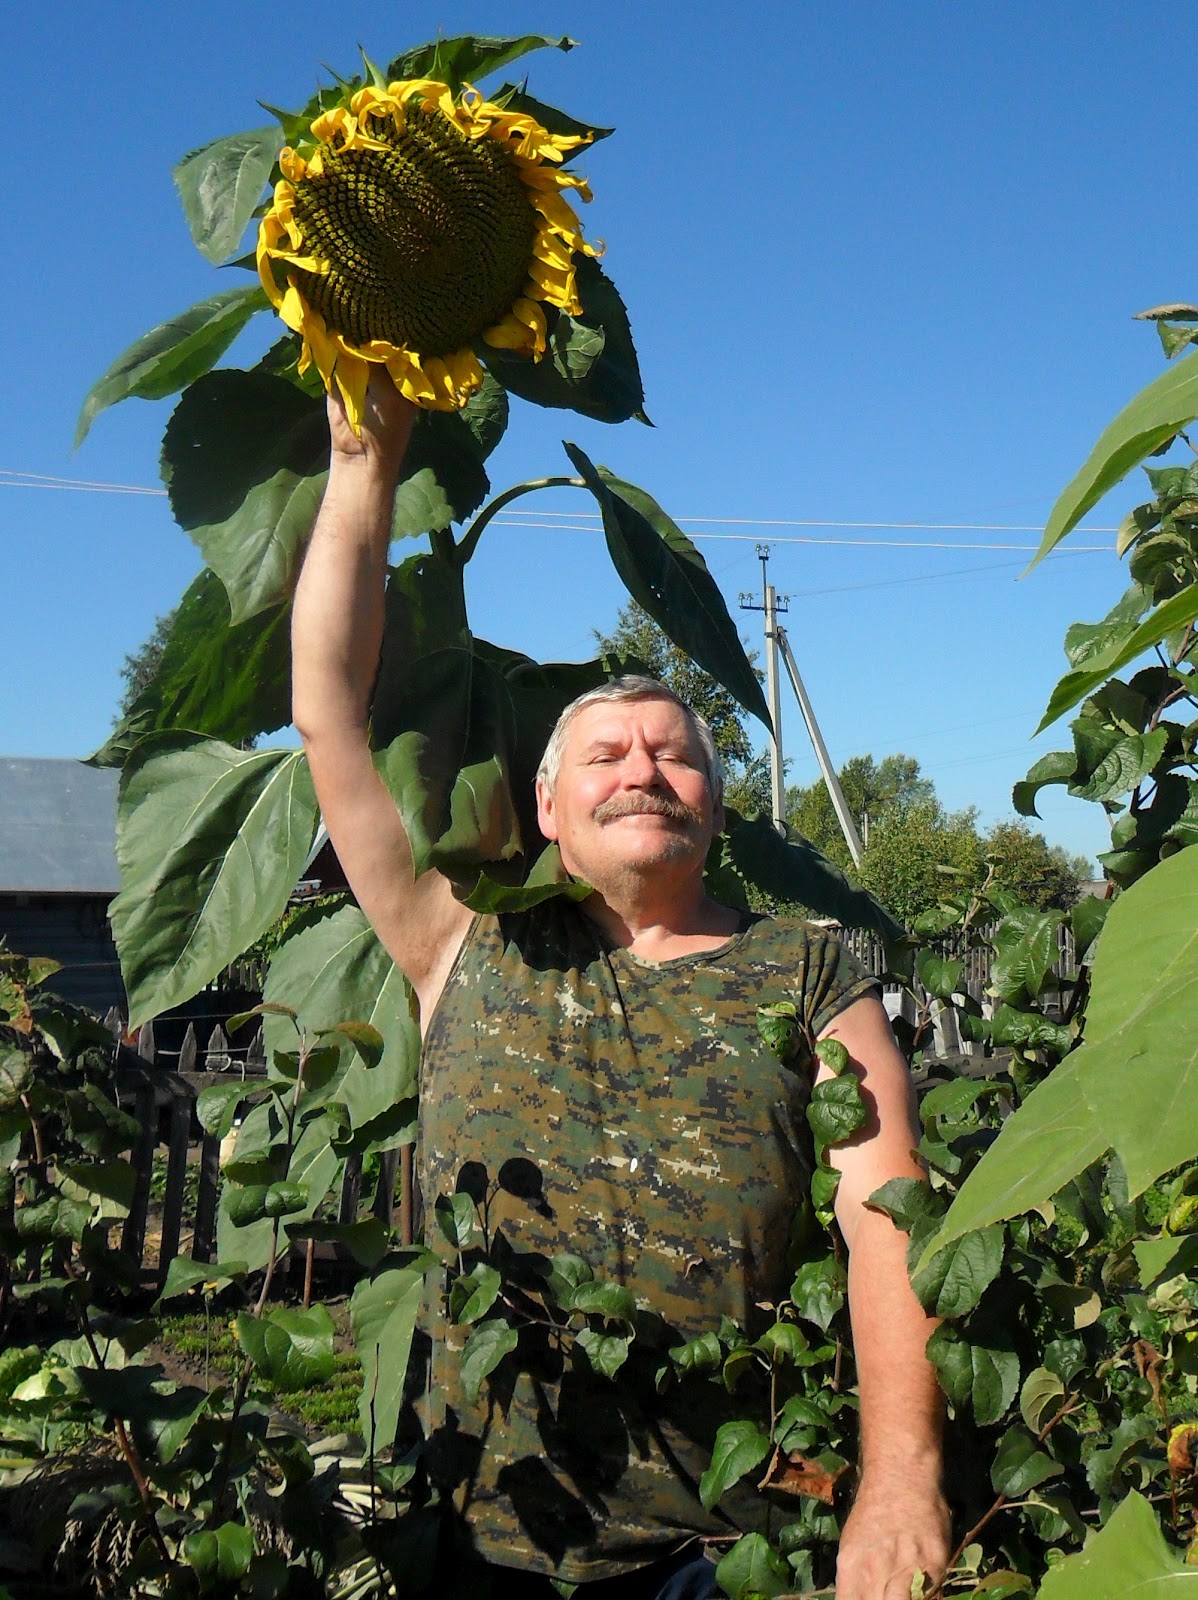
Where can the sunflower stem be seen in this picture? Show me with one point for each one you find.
(469, 540)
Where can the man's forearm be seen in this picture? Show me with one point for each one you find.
(901, 1403)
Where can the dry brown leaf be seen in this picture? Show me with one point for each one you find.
(793, 1473)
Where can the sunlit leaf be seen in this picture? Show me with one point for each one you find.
(221, 183)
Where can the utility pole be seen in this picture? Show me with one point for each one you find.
(776, 642)
(771, 604)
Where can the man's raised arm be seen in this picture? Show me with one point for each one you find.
(336, 634)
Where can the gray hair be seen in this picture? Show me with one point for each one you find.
(630, 687)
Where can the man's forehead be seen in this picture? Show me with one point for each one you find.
(613, 720)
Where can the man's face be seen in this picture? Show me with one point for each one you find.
(632, 792)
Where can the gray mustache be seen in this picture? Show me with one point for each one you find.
(656, 805)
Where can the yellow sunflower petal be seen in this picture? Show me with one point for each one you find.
(292, 165)
(352, 375)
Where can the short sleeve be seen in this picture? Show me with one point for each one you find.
(832, 980)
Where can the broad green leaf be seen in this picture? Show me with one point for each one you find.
(469, 57)
(367, 1241)
(456, 1216)
(836, 1110)
(1025, 950)
(939, 975)
(244, 457)
(956, 1277)
(443, 478)
(1145, 423)
(475, 1293)
(590, 365)
(981, 1371)
(548, 878)
(1139, 1036)
(1019, 1465)
(1058, 766)
(611, 1300)
(220, 185)
(231, 683)
(332, 968)
(216, 1106)
(482, 1353)
(668, 578)
(383, 1314)
(907, 1202)
(183, 1275)
(111, 1180)
(819, 1291)
(1169, 617)
(314, 1165)
(1128, 1557)
(739, 1447)
(785, 1344)
(1087, 919)
(606, 1352)
(1087, 641)
(703, 1354)
(173, 354)
(1041, 1394)
(753, 1571)
(793, 869)
(211, 841)
(292, 1348)
(219, 1555)
(1124, 766)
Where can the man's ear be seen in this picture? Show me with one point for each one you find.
(546, 820)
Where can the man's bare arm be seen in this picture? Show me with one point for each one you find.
(337, 630)
(899, 1524)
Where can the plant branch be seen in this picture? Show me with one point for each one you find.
(468, 542)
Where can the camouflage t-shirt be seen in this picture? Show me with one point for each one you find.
(626, 1112)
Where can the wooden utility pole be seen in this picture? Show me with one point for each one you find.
(777, 643)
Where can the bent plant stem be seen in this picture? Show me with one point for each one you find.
(469, 541)
(1000, 1504)
(129, 1454)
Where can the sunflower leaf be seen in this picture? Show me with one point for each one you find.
(211, 841)
(242, 459)
(591, 364)
(469, 57)
(793, 869)
(230, 681)
(221, 184)
(666, 575)
(513, 98)
(173, 354)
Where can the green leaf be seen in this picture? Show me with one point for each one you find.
(443, 478)
(211, 841)
(314, 1164)
(231, 683)
(513, 98)
(907, 1202)
(1146, 423)
(1170, 617)
(1139, 1032)
(668, 578)
(819, 1291)
(940, 976)
(331, 966)
(173, 354)
(221, 184)
(292, 1348)
(477, 1291)
(244, 457)
(703, 1354)
(795, 870)
(183, 1275)
(752, 1569)
(606, 1352)
(1124, 766)
(217, 1105)
(975, 1371)
(956, 1277)
(785, 1344)
(1019, 1465)
(219, 1555)
(112, 1180)
(836, 1110)
(739, 1447)
(590, 365)
(482, 1353)
(383, 1315)
(469, 57)
(1041, 1393)
(1087, 641)
(611, 1300)
(1129, 1556)
(1087, 919)
(457, 1218)
(1025, 951)
(1058, 766)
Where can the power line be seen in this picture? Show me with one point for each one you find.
(501, 520)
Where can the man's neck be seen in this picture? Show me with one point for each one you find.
(660, 927)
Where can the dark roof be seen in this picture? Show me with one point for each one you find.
(57, 827)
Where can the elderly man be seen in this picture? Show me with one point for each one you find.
(610, 1050)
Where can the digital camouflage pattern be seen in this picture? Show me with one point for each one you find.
(627, 1112)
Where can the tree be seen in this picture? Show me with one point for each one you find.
(919, 853)
(636, 634)
(870, 788)
(1044, 875)
(140, 667)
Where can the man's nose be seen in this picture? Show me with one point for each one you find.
(640, 770)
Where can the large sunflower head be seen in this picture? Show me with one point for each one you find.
(409, 224)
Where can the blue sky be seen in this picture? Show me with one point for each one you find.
(881, 261)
